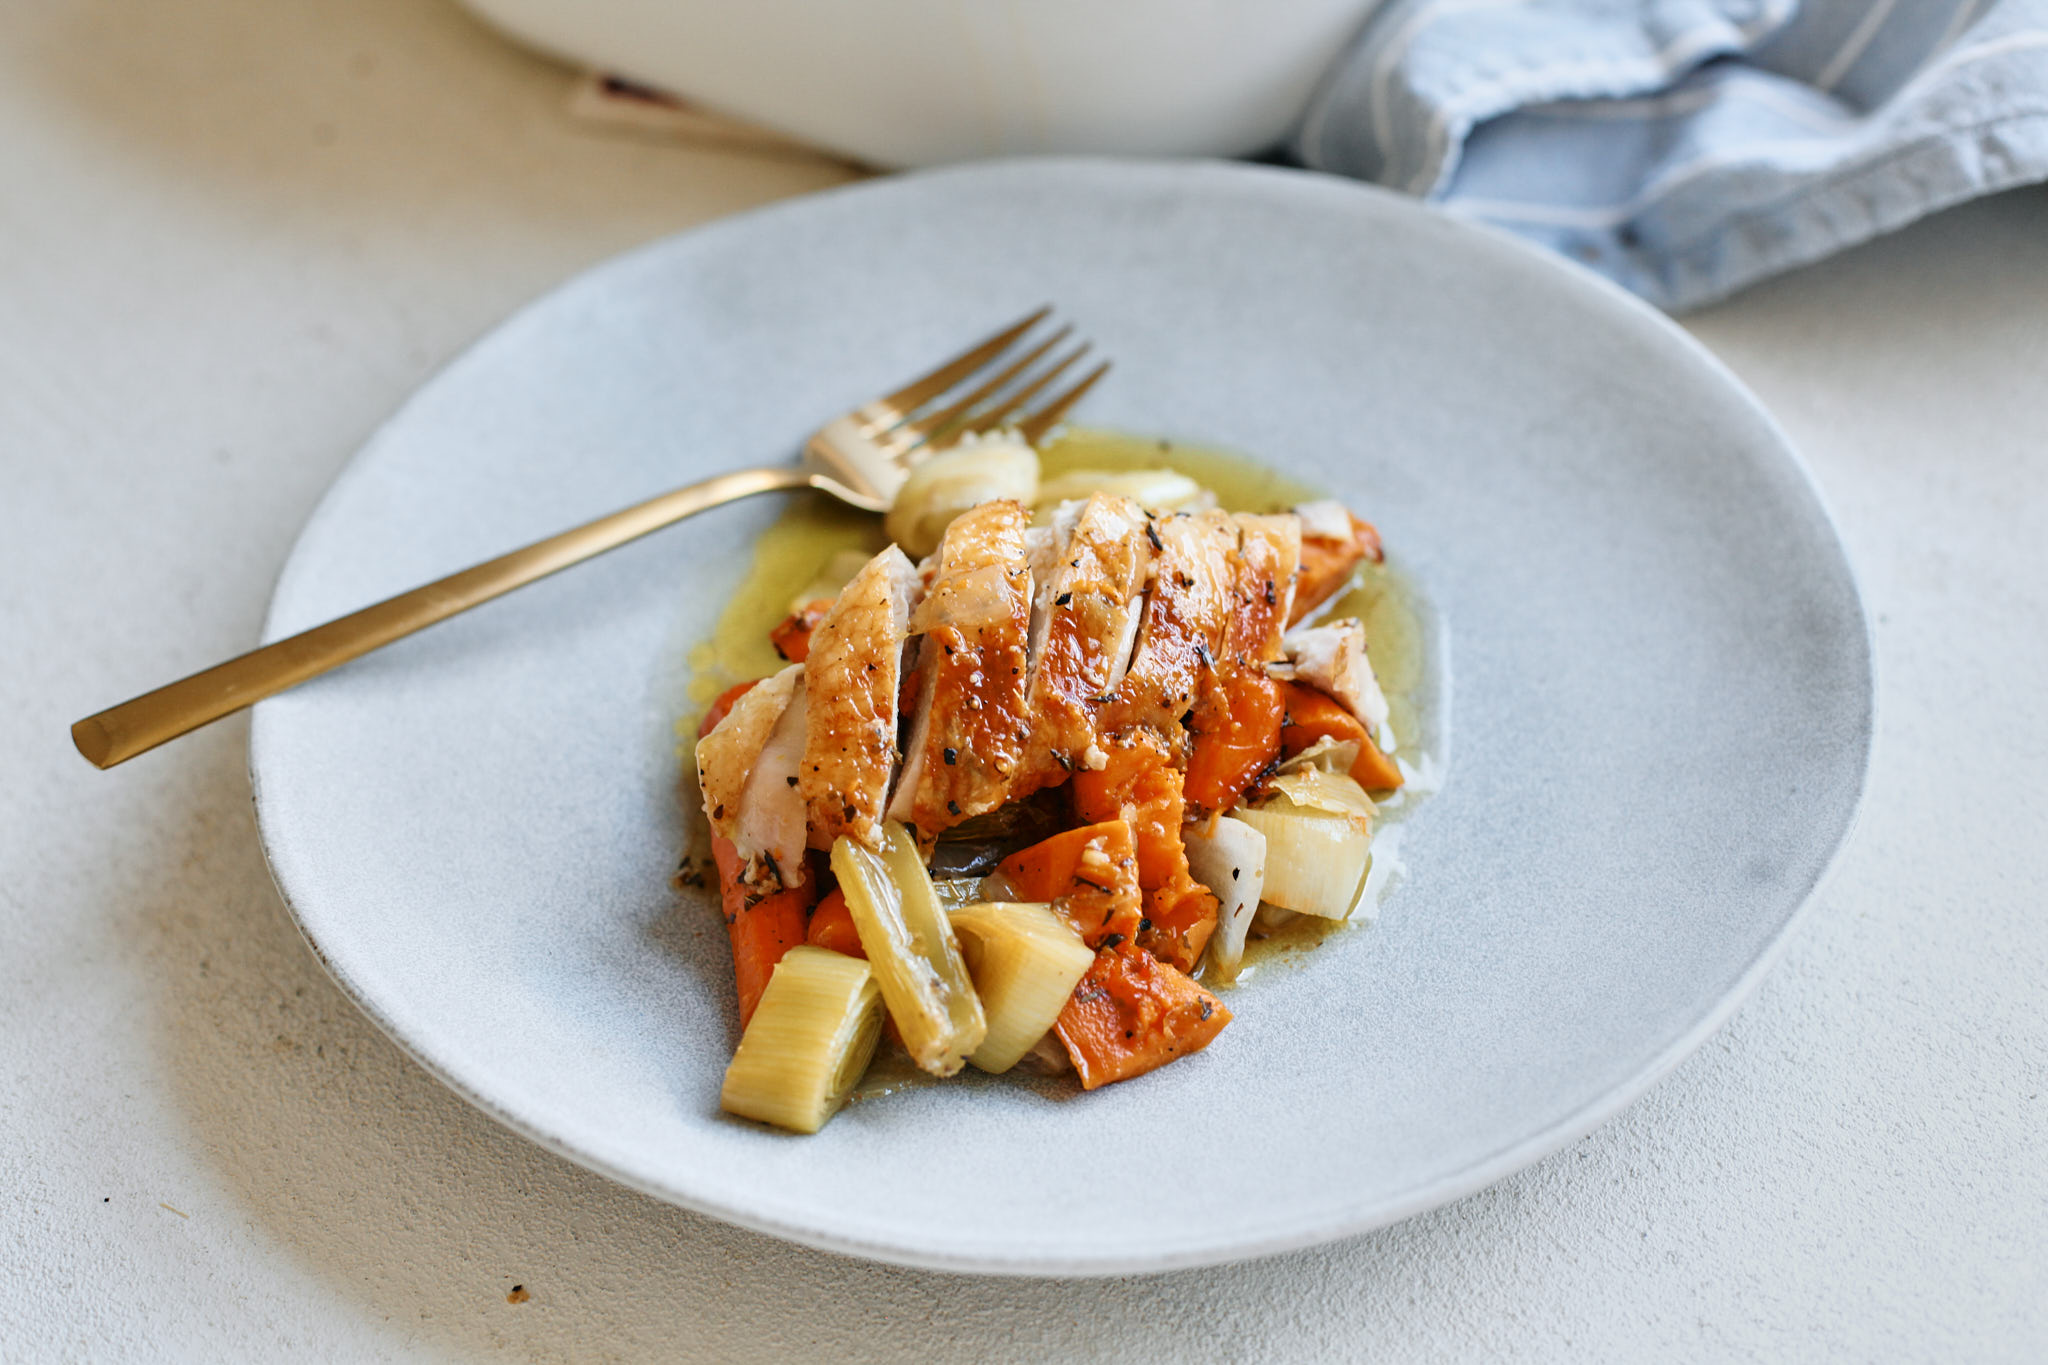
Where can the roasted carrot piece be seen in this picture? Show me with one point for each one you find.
(1140, 785)
(832, 926)
(1313, 715)
(792, 635)
(1132, 1013)
(1237, 734)
(1327, 562)
(1090, 875)
(761, 931)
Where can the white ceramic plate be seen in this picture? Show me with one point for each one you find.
(1662, 706)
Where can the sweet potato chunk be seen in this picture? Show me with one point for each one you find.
(1327, 560)
(1089, 875)
(1140, 785)
(1311, 715)
(1131, 1014)
(1237, 734)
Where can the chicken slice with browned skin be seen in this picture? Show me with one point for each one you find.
(1258, 592)
(1262, 586)
(854, 671)
(1085, 620)
(968, 740)
(747, 770)
(1186, 625)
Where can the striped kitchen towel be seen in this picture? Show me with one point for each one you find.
(1685, 148)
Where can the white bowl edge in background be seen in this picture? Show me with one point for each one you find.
(918, 82)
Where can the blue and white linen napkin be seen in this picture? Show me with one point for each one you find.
(1685, 148)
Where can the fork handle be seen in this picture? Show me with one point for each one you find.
(140, 724)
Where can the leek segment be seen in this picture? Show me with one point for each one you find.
(810, 1040)
(1318, 843)
(1025, 961)
(911, 948)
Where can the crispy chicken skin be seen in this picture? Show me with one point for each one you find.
(972, 724)
(854, 672)
(1085, 621)
(747, 769)
(1186, 622)
(1262, 585)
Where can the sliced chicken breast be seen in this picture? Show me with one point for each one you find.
(1186, 622)
(854, 674)
(1085, 620)
(1259, 591)
(1262, 585)
(972, 724)
(747, 768)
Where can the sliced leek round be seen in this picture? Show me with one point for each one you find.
(1026, 961)
(811, 1038)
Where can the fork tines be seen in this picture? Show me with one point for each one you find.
(940, 407)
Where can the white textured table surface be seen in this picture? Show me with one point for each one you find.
(232, 237)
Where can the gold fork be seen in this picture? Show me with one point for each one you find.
(860, 458)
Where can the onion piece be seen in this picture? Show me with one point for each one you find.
(1229, 857)
(955, 892)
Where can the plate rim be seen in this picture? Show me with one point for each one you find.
(1474, 1176)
